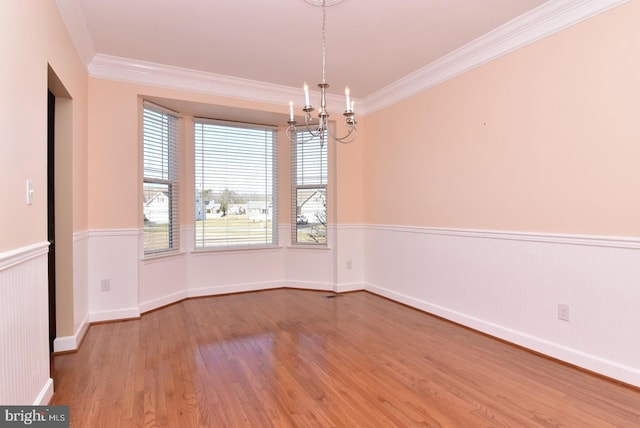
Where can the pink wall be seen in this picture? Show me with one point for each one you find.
(23, 132)
(545, 139)
(113, 155)
(349, 163)
(31, 36)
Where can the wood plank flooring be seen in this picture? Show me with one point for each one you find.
(295, 358)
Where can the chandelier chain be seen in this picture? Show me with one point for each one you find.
(324, 42)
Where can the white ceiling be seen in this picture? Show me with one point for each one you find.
(263, 50)
(370, 43)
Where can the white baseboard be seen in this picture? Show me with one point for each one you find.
(163, 301)
(311, 285)
(46, 394)
(241, 288)
(589, 362)
(347, 287)
(235, 288)
(120, 314)
(71, 343)
(65, 344)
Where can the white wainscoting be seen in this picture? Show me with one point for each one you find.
(80, 295)
(338, 267)
(163, 279)
(113, 256)
(349, 258)
(509, 285)
(231, 271)
(141, 284)
(24, 327)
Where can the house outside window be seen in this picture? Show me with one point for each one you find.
(236, 184)
(160, 184)
(309, 170)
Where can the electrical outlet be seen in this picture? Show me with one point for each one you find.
(105, 285)
(563, 312)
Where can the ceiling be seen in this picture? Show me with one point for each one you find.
(369, 43)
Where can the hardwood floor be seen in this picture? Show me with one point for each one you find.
(294, 358)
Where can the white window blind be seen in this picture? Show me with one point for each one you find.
(161, 174)
(236, 184)
(309, 190)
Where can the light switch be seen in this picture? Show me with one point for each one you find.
(29, 192)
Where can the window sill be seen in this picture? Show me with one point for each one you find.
(153, 257)
(308, 247)
(210, 250)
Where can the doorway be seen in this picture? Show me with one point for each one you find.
(60, 215)
(51, 216)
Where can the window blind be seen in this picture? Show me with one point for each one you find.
(309, 189)
(161, 193)
(236, 184)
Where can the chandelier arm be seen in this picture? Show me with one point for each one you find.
(308, 123)
(292, 131)
(349, 137)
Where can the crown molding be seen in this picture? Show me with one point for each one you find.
(549, 18)
(77, 27)
(148, 73)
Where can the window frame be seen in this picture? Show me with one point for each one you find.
(271, 221)
(169, 176)
(303, 137)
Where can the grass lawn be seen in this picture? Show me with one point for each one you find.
(229, 230)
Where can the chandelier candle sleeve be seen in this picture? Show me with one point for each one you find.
(306, 95)
(291, 110)
(346, 93)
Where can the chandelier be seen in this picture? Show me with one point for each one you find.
(321, 128)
